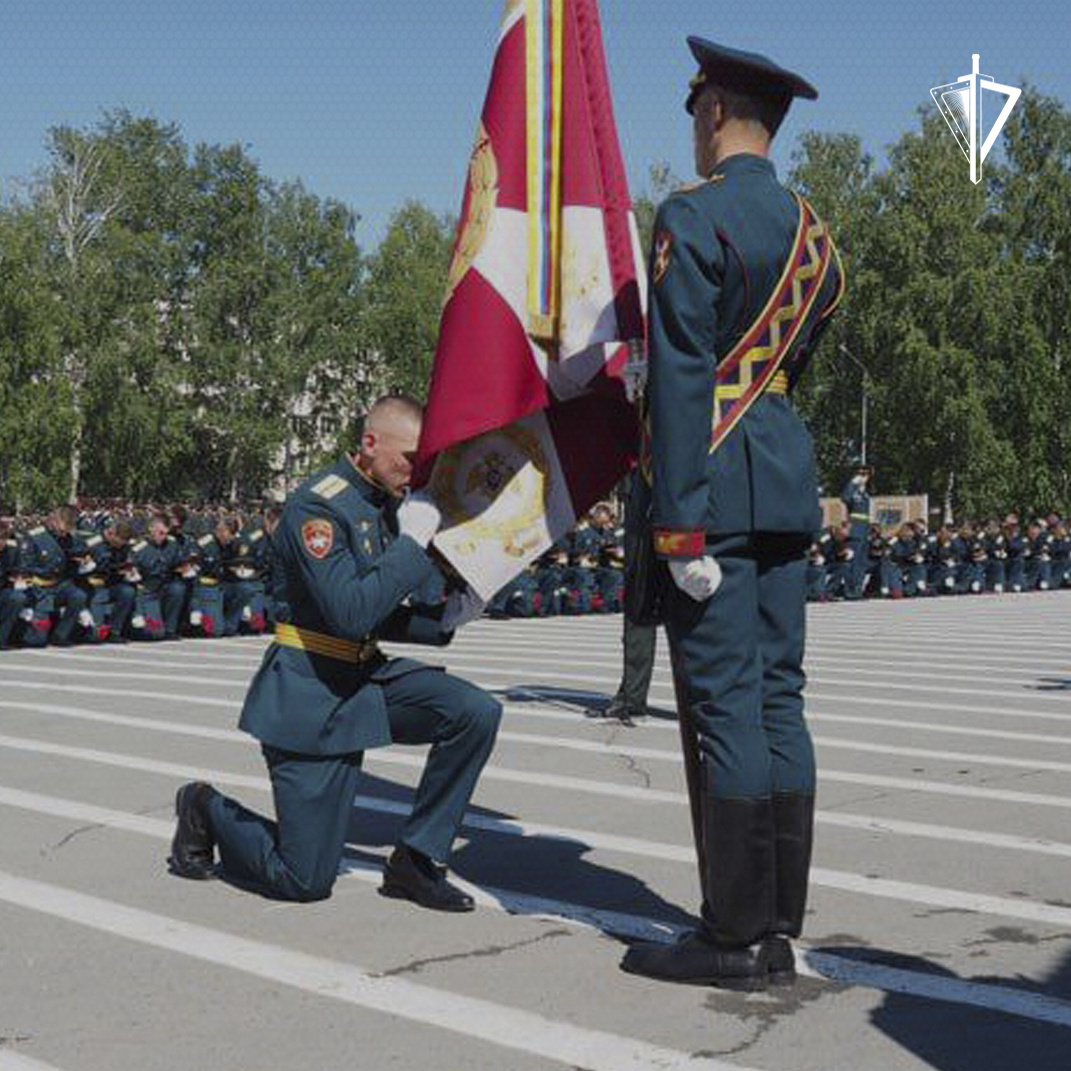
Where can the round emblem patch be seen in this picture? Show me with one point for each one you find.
(319, 537)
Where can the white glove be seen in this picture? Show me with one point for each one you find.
(138, 621)
(26, 615)
(419, 517)
(85, 618)
(196, 617)
(461, 608)
(698, 578)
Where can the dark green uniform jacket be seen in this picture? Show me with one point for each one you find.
(762, 478)
(346, 576)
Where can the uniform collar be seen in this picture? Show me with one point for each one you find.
(741, 162)
(371, 492)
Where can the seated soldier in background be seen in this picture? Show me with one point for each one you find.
(274, 574)
(14, 584)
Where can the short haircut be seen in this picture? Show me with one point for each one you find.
(123, 530)
(68, 515)
(160, 518)
(768, 109)
(391, 405)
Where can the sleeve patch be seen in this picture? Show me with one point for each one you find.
(318, 535)
(663, 256)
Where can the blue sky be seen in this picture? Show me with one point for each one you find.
(375, 102)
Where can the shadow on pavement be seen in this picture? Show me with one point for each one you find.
(535, 865)
(957, 1037)
(591, 703)
(1053, 684)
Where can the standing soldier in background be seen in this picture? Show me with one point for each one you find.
(856, 501)
(743, 277)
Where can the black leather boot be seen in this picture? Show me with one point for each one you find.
(793, 814)
(696, 960)
(193, 845)
(738, 848)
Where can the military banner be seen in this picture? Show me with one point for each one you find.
(527, 424)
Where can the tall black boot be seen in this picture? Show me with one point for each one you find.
(793, 814)
(738, 841)
(730, 951)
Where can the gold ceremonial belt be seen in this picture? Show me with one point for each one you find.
(778, 385)
(41, 582)
(208, 581)
(97, 582)
(303, 639)
(859, 516)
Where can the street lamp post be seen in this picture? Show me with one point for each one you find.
(866, 379)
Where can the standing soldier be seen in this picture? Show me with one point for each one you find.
(856, 501)
(743, 277)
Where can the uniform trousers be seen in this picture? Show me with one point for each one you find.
(738, 671)
(296, 857)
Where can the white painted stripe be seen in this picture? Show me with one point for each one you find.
(866, 823)
(814, 963)
(537, 654)
(479, 670)
(482, 1020)
(16, 1061)
(633, 793)
(855, 883)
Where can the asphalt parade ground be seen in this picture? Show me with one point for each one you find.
(939, 928)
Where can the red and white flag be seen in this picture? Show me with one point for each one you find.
(527, 424)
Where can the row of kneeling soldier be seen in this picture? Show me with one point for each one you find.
(964, 559)
(76, 579)
(583, 573)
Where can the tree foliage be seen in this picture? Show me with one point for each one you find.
(175, 323)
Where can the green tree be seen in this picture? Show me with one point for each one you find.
(405, 283)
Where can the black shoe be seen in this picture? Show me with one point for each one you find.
(695, 960)
(193, 844)
(780, 960)
(409, 875)
(618, 710)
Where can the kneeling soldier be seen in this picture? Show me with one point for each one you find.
(324, 692)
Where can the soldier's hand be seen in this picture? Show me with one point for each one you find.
(461, 608)
(698, 578)
(419, 517)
